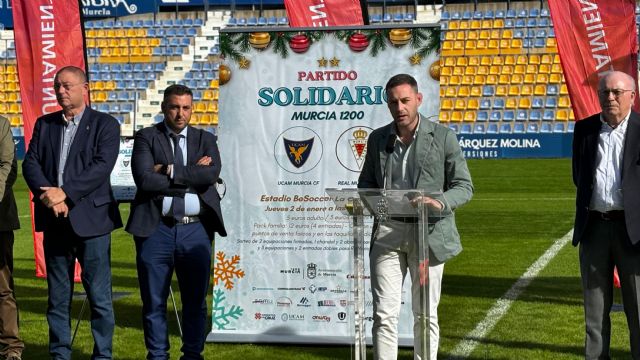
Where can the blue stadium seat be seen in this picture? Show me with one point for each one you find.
(534, 12)
(398, 17)
(536, 115)
(495, 116)
(527, 43)
(570, 126)
(523, 13)
(456, 16)
(537, 103)
(488, 90)
(103, 107)
(187, 22)
(545, 128)
(197, 95)
(465, 129)
(241, 22)
(539, 43)
(98, 24)
(386, 18)
(172, 32)
(159, 67)
(508, 23)
(178, 22)
(518, 128)
(483, 116)
(552, 89)
(118, 24)
(167, 23)
(445, 15)
(283, 21)
(492, 128)
(532, 128)
(531, 33)
(375, 18)
(542, 33)
(198, 22)
(532, 22)
(544, 22)
(551, 103)
(552, 33)
(509, 115)
(127, 107)
(148, 23)
(499, 14)
(478, 129)
(558, 127)
(485, 104)
(262, 21)
(520, 23)
(549, 115)
(511, 13)
(518, 34)
(94, 68)
(272, 21)
(521, 115)
(544, 13)
(498, 103)
(505, 129)
(409, 17)
(488, 14)
(88, 25)
(478, 15)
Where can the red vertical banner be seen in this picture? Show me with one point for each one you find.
(323, 13)
(48, 36)
(594, 36)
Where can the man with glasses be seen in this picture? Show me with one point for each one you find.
(606, 172)
(67, 168)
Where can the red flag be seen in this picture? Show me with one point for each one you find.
(594, 36)
(48, 36)
(323, 13)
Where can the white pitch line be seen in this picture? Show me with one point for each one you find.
(502, 305)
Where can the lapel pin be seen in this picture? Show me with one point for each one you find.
(87, 127)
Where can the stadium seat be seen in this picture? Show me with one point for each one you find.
(511, 103)
(465, 129)
(473, 104)
(571, 126)
(492, 128)
(558, 127)
(526, 90)
(511, 13)
(514, 90)
(564, 90)
(485, 104)
(469, 116)
(501, 90)
(535, 115)
(521, 115)
(545, 128)
(549, 115)
(488, 90)
(540, 90)
(562, 115)
(482, 116)
(476, 91)
(478, 129)
(552, 89)
(495, 116)
(531, 128)
(518, 128)
(505, 129)
(498, 103)
(564, 102)
(456, 116)
(524, 103)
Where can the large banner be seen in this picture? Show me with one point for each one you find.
(594, 36)
(323, 13)
(514, 146)
(295, 116)
(48, 36)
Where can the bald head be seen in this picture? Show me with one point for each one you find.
(616, 92)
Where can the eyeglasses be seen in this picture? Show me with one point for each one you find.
(67, 87)
(616, 92)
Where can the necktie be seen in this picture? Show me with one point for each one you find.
(178, 163)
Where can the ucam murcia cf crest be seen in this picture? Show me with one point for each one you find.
(298, 150)
(351, 148)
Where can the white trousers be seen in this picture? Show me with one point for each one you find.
(392, 254)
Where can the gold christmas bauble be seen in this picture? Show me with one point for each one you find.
(434, 70)
(399, 37)
(259, 40)
(224, 74)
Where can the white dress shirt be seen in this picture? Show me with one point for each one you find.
(607, 179)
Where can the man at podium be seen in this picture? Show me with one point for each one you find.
(411, 153)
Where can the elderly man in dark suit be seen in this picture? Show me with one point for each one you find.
(67, 167)
(174, 216)
(606, 172)
(11, 345)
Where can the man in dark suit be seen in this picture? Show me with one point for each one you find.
(67, 167)
(11, 345)
(606, 172)
(174, 216)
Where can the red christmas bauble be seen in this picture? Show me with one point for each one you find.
(358, 42)
(299, 43)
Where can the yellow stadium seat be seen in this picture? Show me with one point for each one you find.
(529, 79)
(200, 107)
(571, 116)
(147, 51)
(495, 70)
(212, 107)
(507, 34)
(460, 104)
(115, 42)
(101, 96)
(511, 103)
(534, 59)
(454, 80)
(540, 90)
(444, 80)
(125, 42)
(505, 44)
(12, 78)
(3, 87)
(454, 25)
(450, 35)
(562, 115)
(551, 43)
(154, 42)
(507, 69)
(493, 44)
(98, 85)
(501, 90)
(470, 70)
(12, 87)
(473, 104)
(456, 116)
(110, 33)
(445, 71)
(472, 35)
(91, 33)
(12, 97)
(470, 116)
(103, 43)
(522, 59)
(91, 42)
(495, 34)
(555, 78)
(524, 103)
(556, 69)
(519, 69)
(2, 69)
(443, 90)
(4, 109)
(486, 60)
(531, 69)
(135, 42)
(556, 59)
(447, 45)
(450, 91)
(463, 91)
(498, 60)
(121, 33)
(483, 70)
(503, 79)
(517, 79)
(484, 35)
(491, 79)
(458, 45)
(510, 60)
(446, 104)
(101, 33)
(486, 24)
(475, 25)
(564, 90)
(444, 116)
(136, 51)
(564, 102)
(479, 79)
(205, 119)
(467, 80)
(449, 61)
(514, 90)
(498, 23)
(526, 90)
(110, 85)
(15, 108)
(474, 61)
(141, 32)
(516, 43)
(544, 69)
(476, 90)
(464, 25)
(461, 35)
(482, 44)
(16, 121)
(461, 61)
(542, 79)
(546, 59)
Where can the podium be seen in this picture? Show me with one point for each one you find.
(386, 205)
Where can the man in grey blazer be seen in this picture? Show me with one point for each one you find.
(606, 172)
(422, 155)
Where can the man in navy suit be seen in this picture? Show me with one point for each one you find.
(174, 216)
(67, 168)
(606, 172)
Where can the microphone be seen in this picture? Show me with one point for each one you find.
(391, 144)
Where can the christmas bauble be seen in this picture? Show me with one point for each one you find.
(299, 43)
(358, 42)
(259, 40)
(399, 37)
(434, 70)
(224, 74)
